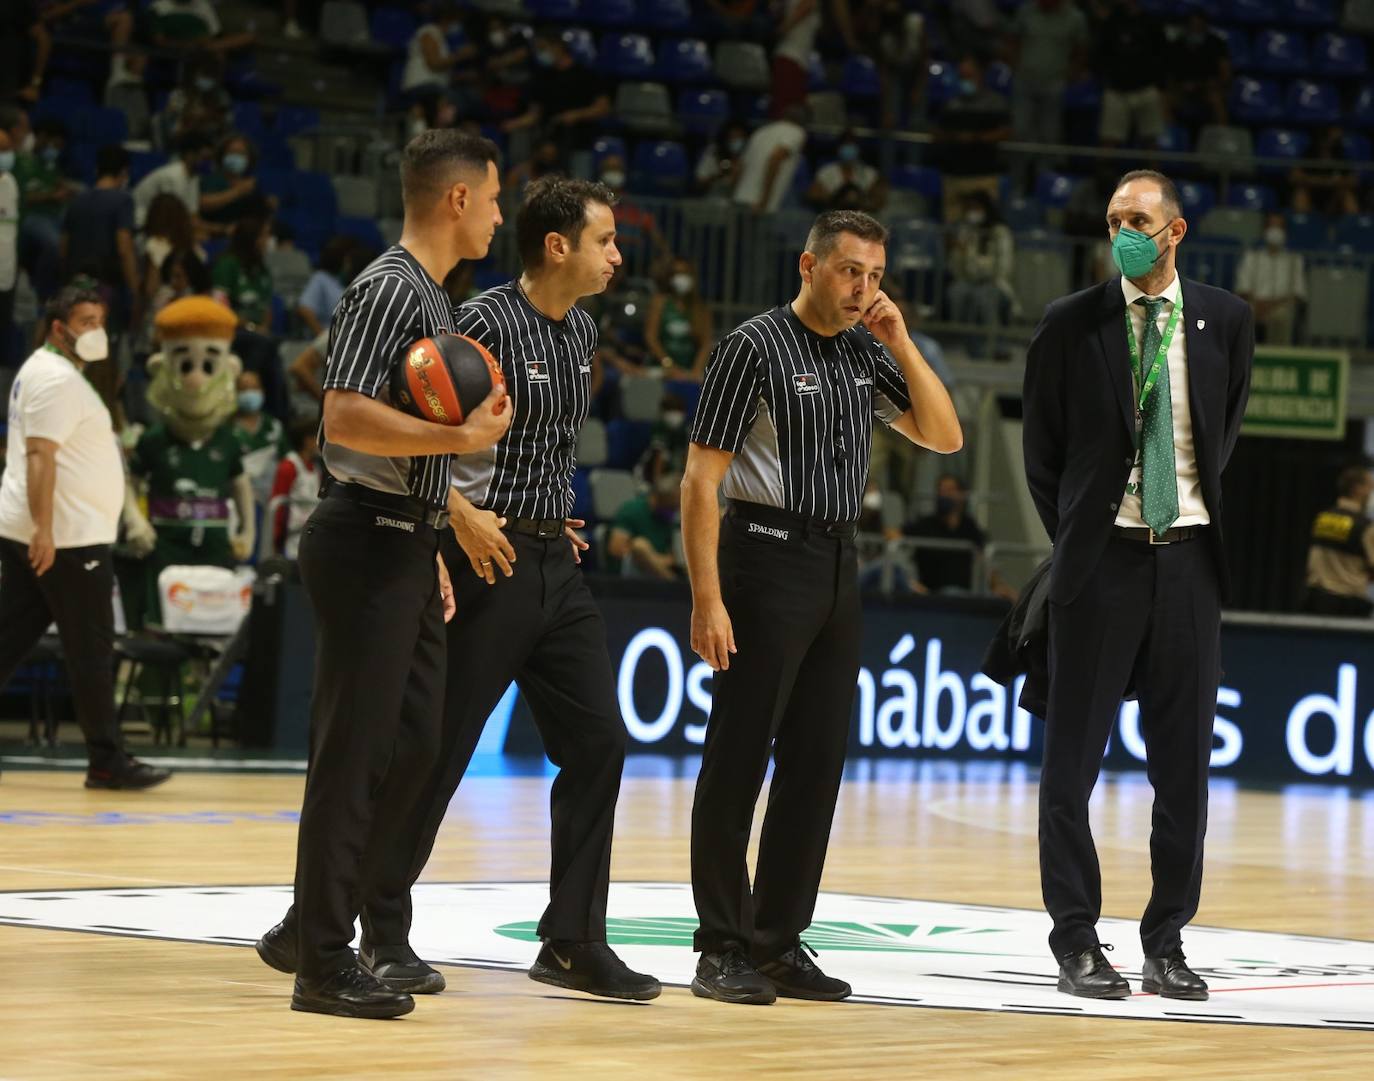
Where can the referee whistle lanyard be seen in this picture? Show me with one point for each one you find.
(1145, 382)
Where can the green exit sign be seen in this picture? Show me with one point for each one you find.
(1298, 393)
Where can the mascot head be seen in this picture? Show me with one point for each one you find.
(192, 380)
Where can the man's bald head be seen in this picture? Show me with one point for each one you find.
(437, 159)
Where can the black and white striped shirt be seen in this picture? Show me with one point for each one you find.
(548, 370)
(389, 306)
(796, 409)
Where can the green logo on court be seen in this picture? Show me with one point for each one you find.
(822, 935)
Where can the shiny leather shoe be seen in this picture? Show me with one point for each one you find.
(1088, 975)
(350, 992)
(1170, 977)
(277, 948)
(400, 969)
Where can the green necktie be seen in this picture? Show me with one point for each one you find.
(1159, 495)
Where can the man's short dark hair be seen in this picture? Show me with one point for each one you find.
(832, 223)
(111, 160)
(555, 204)
(59, 308)
(1351, 480)
(433, 161)
(1168, 190)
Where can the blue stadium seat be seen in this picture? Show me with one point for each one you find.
(274, 151)
(663, 166)
(757, 109)
(1281, 143)
(1355, 233)
(79, 159)
(860, 78)
(1239, 47)
(143, 162)
(393, 28)
(1083, 95)
(553, 9)
(1053, 189)
(1215, 263)
(1308, 231)
(1197, 197)
(943, 82)
(998, 77)
(68, 92)
(1022, 214)
(278, 182)
(1340, 55)
(1174, 139)
(1255, 101)
(626, 442)
(1280, 53)
(608, 146)
(1362, 110)
(248, 118)
(703, 112)
(610, 12)
(670, 15)
(294, 119)
(364, 229)
(582, 495)
(1258, 12)
(627, 56)
(685, 61)
(816, 77)
(94, 124)
(1252, 197)
(1311, 12)
(1356, 146)
(1313, 103)
(314, 195)
(581, 44)
(920, 179)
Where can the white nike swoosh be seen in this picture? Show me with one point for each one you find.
(92, 564)
(567, 965)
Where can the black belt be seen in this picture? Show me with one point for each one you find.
(407, 506)
(544, 528)
(1145, 535)
(773, 516)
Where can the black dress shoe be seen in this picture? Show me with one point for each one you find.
(132, 776)
(400, 969)
(277, 948)
(1088, 975)
(594, 968)
(795, 975)
(350, 992)
(727, 976)
(1170, 977)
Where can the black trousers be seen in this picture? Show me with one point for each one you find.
(375, 713)
(75, 593)
(794, 607)
(542, 629)
(1151, 612)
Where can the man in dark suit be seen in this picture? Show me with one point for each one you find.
(1132, 409)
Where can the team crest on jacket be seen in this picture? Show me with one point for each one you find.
(806, 383)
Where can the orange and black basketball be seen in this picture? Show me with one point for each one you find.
(444, 378)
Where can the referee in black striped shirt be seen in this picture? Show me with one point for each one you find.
(379, 592)
(784, 430)
(536, 622)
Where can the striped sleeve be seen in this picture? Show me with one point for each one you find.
(730, 395)
(375, 322)
(890, 397)
(470, 322)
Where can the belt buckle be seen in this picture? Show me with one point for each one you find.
(547, 532)
(1156, 541)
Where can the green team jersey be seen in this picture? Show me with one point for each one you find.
(189, 487)
(36, 177)
(675, 332)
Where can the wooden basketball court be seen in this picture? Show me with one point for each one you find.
(108, 1003)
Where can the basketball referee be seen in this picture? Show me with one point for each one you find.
(784, 429)
(368, 560)
(536, 623)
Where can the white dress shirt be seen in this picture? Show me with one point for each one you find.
(1191, 508)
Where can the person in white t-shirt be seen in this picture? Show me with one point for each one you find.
(1273, 281)
(848, 182)
(770, 162)
(179, 177)
(9, 240)
(61, 500)
(800, 23)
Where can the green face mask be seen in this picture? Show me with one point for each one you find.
(1135, 253)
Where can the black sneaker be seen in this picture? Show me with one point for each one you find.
(795, 975)
(594, 968)
(350, 992)
(400, 969)
(729, 977)
(133, 776)
(277, 948)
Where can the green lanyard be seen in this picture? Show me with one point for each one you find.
(1146, 386)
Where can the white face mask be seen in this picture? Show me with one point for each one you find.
(975, 217)
(673, 419)
(92, 345)
(1274, 236)
(873, 500)
(613, 178)
(681, 283)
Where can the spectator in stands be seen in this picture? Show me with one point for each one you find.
(1340, 562)
(241, 276)
(304, 378)
(20, 32)
(429, 67)
(492, 89)
(975, 28)
(200, 104)
(44, 193)
(966, 137)
(297, 484)
(637, 234)
(980, 262)
(903, 55)
(1201, 72)
(677, 329)
(848, 182)
(1272, 280)
(642, 533)
(1132, 59)
(321, 294)
(940, 570)
(179, 177)
(261, 438)
(229, 192)
(544, 159)
(1049, 47)
(770, 162)
(89, 20)
(98, 240)
(620, 313)
(1083, 220)
(718, 168)
(799, 24)
(9, 246)
(667, 450)
(185, 25)
(169, 228)
(1326, 191)
(177, 272)
(566, 101)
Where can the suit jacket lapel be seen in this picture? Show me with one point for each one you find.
(1111, 336)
